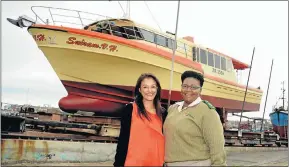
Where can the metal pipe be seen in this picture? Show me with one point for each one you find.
(266, 96)
(246, 89)
(173, 57)
(80, 18)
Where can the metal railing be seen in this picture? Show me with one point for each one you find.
(78, 16)
(80, 19)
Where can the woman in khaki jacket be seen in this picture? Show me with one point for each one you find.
(193, 130)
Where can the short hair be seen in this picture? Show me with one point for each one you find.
(193, 74)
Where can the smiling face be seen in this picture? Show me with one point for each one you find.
(191, 89)
(148, 89)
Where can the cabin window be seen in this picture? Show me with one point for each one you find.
(148, 36)
(198, 55)
(229, 65)
(170, 43)
(217, 61)
(223, 63)
(181, 45)
(117, 31)
(187, 47)
(195, 53)
(203, 55)
(161, 40)
(131, 34)
(210, 59)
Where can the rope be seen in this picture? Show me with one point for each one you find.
(121, 8)
(152, 15)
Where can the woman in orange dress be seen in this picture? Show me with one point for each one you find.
(141, 141)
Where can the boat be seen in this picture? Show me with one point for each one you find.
(279, 118)
(99, 62)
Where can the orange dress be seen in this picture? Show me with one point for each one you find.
(146, 143)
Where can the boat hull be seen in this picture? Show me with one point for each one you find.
(279, 121)
(99, 72)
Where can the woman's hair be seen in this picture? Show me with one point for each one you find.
(139, 98)
(193, 74)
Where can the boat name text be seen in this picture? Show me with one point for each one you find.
(42, 38)
(218, 71)
(104, 46)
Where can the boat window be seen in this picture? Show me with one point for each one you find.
(148, 36)
(229, 65)
(195, 53)
(160, 40)
(181, 45)
(223, 63)
(217, 61)
(198, 54)
(117, 31)
(187, 47)
(210, 59)
(203, 55)
(170, 43)
(132, 32)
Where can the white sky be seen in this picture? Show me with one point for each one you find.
(233, 28)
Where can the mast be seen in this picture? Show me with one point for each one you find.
(283, 98)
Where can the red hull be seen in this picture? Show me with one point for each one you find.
(108, 99)
(281, 130)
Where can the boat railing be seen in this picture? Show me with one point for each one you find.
(80, 19)
(58, 16)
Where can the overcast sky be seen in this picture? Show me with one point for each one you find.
(233, 28)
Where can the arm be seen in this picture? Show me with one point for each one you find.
(214, 137)
(123, 139)
(164, 114)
